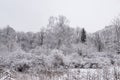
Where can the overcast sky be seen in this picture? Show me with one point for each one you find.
(30, 15)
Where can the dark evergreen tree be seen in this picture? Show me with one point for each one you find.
(83, 36)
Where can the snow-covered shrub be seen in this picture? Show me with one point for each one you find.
(23, 67)
(3, 48)
(98, 62)
(40, 50)
(41, 62)
(56, 59)
(83, 49)
(67, 50)
(17, 59)
(20, 54)
(75, 61)
(3, 62)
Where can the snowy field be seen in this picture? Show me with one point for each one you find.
(71, 74)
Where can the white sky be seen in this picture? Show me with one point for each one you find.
(30, 15)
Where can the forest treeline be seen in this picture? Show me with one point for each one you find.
(60, 46)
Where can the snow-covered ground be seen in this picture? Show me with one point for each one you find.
(71, 74)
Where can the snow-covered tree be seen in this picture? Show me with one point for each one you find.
(8, 38)
(59, 31)
(116, 23)
(77, 35)
(83, 36)
(98, 42)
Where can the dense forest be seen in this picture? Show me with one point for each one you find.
(59, 46)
